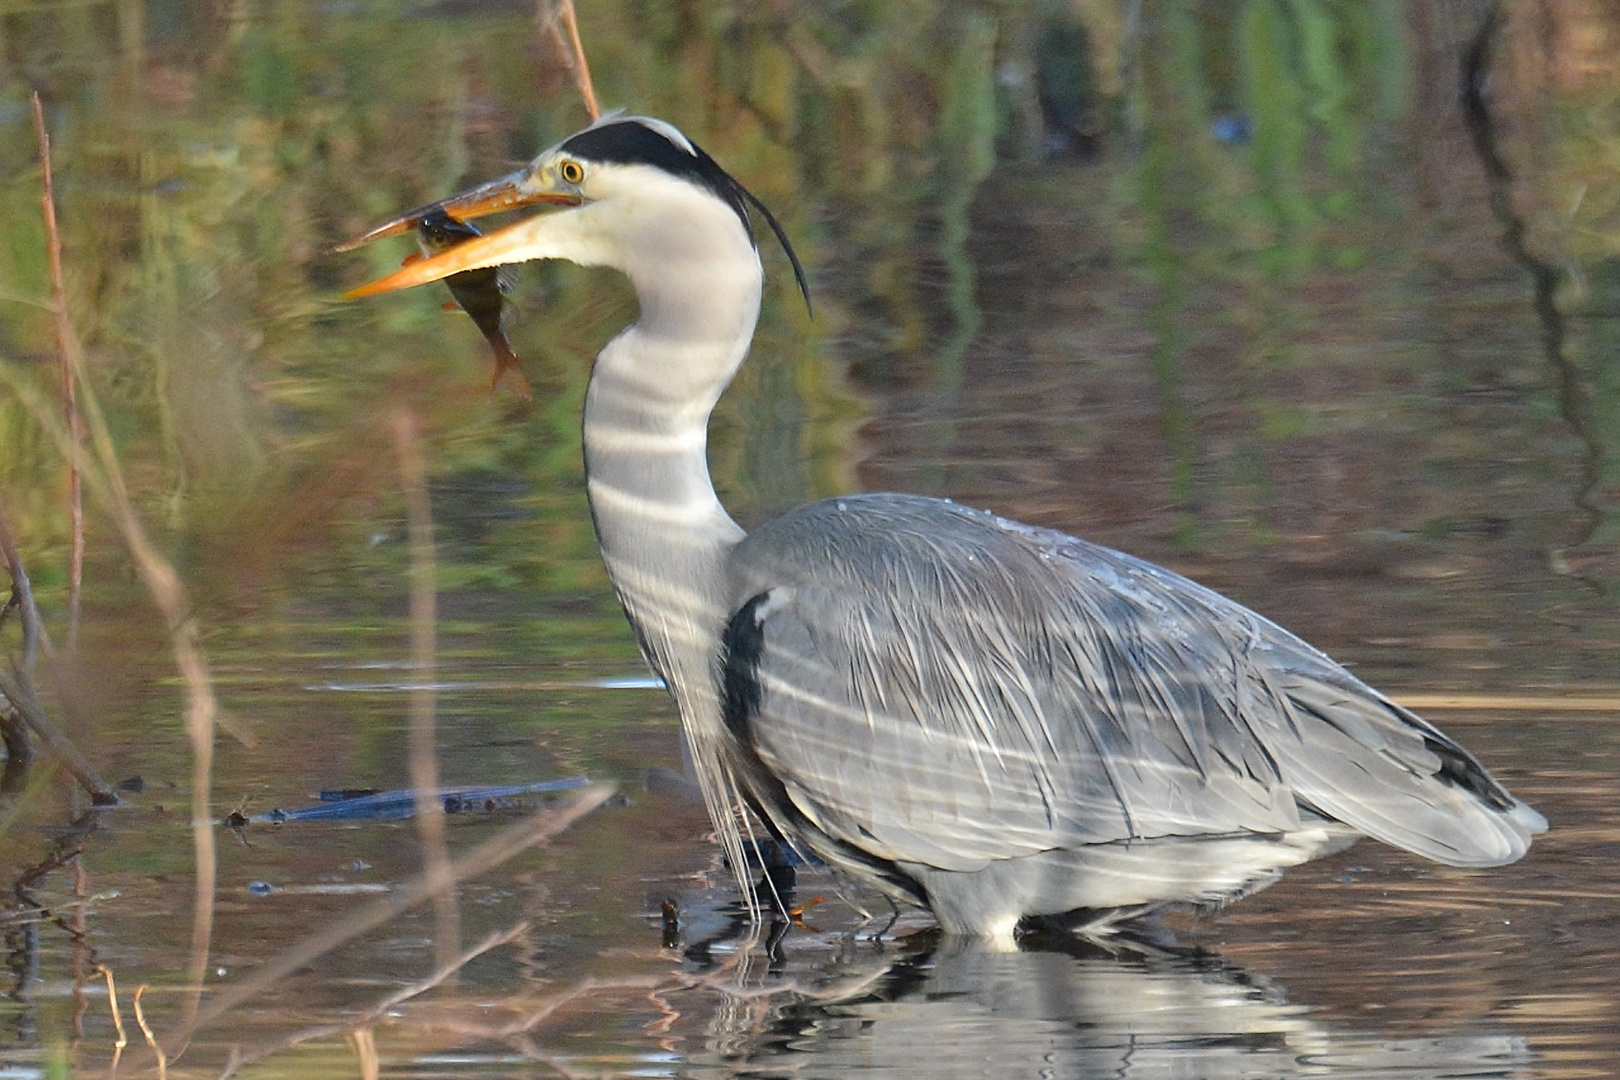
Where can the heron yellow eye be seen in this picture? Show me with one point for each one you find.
(571, 171)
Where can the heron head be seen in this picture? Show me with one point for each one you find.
(628, 187)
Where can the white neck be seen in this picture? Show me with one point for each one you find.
(663, 532)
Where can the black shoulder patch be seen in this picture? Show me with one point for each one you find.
(630, 142)
(740, 649)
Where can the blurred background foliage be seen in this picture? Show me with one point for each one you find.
(1234, 165)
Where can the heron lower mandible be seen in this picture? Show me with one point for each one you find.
(995, 721)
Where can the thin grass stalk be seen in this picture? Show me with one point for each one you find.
(364, 1041)
(65, 343)
(202, 708)
(424, 761)
(169, 594)
(82, 968)
(558, 16)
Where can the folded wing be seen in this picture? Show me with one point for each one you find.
(935, 685)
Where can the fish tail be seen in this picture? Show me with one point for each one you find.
(508, 368)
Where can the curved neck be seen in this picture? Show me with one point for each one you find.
(663, 533)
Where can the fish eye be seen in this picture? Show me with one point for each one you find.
(571, 171)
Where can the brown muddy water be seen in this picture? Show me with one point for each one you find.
(1179, 278)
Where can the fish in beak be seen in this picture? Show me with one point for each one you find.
(480, 293)
(510, 192)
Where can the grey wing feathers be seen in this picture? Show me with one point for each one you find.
(937, 685)
(1384, 771)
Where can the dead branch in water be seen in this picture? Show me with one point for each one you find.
(19, 706)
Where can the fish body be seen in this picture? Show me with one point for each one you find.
(480, 293)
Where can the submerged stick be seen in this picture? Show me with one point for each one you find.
(65, 344)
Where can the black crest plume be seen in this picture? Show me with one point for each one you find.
(631, 142)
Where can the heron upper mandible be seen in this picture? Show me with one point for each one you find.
(995, 721)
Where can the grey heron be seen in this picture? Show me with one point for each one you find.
(992, 720)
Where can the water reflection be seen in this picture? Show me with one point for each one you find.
(1135, 1010)
(1365, 964)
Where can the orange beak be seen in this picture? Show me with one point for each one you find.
(507, 193)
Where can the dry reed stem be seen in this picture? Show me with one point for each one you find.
(551, 1061)
(151, 1040)
(364, 1041)
(424, 762)
(118, 1020)
(572, 50)
(724, 981)
(517, 1033)
(65, 342)
(202, 711)
(537, 829)
(536, 1014)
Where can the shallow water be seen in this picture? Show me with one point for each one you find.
(1346, 417)
(1368, 963)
